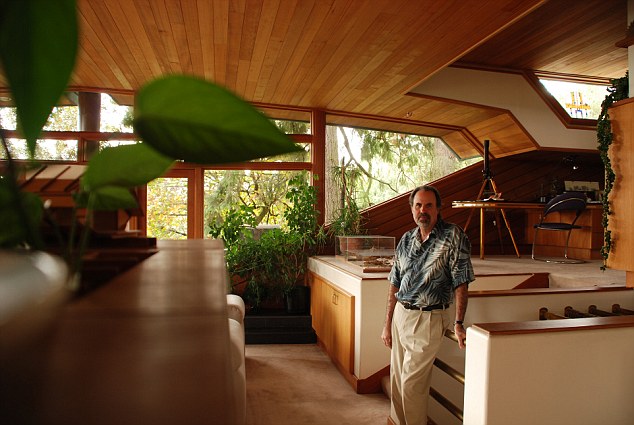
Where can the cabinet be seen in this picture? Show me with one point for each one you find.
(333, 320)
(348, 311)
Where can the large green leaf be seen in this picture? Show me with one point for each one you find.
(124, 166)
(107, 198)
(194, 120)
(38, 45)
(18, 226)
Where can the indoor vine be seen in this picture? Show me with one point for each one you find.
(617, 91)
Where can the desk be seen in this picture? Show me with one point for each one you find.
(585, 243)
(496, 205)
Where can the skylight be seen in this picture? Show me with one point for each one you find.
(578, 99)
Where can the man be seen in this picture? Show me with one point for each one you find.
(432, 268)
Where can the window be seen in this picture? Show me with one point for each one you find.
(46, 149)
(115, 117)
(379, 165)
(263, 192)
(167, 208)
(293, 127)
(579, 100)
(290, 157)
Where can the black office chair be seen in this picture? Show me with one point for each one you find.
(569, 201)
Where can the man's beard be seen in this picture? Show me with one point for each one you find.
(424, 220)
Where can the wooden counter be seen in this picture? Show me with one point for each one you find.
(150, 347)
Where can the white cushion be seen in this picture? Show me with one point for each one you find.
(236, 352)
(235, 308)
(236, 337)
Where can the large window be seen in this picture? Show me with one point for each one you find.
(379, 165)
(191, 199)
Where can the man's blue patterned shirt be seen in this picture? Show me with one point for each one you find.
(426, 273)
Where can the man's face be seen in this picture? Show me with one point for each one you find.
(425, 210)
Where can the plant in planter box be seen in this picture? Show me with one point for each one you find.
(269, 265)
(274, 265)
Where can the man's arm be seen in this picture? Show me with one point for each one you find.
(386, 335)
(461, 295)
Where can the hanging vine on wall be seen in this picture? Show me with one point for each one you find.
(618, 91)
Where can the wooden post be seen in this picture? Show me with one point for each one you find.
(318, 153)
(575, 314)
(89, 120)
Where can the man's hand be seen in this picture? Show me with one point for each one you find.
(461, 334)
(386, 335)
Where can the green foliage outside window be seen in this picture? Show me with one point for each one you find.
(167, 208)
(387, 164)
(262, 193)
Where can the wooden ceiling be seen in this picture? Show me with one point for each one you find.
(355, 58)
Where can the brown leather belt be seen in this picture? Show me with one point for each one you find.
(409, 306)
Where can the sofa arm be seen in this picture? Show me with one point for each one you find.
(236, 352)
(236, 308)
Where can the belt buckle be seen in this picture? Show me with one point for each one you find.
(409, 306)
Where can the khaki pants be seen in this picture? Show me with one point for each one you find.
(416, 338)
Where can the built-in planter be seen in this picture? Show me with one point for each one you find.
(298, 300)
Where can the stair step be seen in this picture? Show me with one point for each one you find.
(277, 321)
(279, 329)
(280, 336)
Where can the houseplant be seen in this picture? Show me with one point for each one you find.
(273, 266)
(618, 91)
(348, 221)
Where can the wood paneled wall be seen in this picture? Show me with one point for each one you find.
(622, 195)
(519, 178)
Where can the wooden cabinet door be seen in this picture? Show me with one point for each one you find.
(342, 316)
(333, 321)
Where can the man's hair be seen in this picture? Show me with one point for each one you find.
(425, 188)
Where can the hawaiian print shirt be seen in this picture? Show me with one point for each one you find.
(426, 273)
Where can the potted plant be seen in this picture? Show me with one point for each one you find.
(309, 237)
(348, 221)
(274, 265)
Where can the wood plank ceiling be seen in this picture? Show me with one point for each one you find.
(356, 59)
